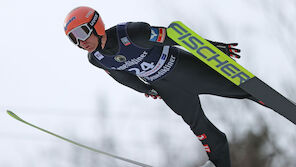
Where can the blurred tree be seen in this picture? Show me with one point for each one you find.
(256, 149)
(104, 140)
(253, 149)
(280, 15)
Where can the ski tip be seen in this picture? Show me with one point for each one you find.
(13, 115)
(175, 22)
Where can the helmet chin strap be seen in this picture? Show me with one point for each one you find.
(99, 47)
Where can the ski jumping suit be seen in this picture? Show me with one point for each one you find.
(143, 58)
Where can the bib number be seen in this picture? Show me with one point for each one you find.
(144, 68)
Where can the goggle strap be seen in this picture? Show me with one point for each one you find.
(94, 20)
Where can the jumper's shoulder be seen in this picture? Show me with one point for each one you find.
(138, 31)
(93, 60)
(138, 25)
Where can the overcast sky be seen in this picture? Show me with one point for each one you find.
(45, 78)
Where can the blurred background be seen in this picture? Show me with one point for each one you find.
(48, 81)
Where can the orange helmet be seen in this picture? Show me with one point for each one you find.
(85, 18)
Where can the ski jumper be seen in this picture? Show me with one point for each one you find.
(143, 58)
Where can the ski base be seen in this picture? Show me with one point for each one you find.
(271, 98)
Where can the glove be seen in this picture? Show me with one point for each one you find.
(152, 93)
(228, 49)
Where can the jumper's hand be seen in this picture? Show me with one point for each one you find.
(228, 48)
(152, 93)
(153, 96)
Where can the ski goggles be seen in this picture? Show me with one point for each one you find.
(81, 32)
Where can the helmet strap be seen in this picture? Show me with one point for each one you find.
(94, 20)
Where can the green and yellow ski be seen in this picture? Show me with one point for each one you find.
(223, 64)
